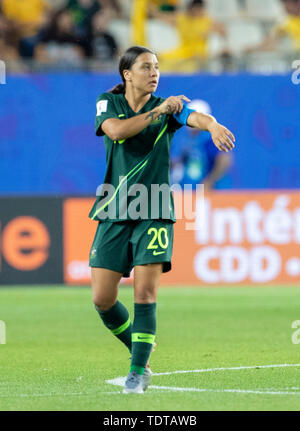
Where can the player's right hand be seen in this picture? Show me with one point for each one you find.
(173, 104)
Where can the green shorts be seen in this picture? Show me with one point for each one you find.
(121, 246)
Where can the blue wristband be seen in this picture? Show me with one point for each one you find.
(182, 116)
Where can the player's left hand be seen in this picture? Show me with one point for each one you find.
(222, 137)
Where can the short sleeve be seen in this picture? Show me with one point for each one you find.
(105, 108)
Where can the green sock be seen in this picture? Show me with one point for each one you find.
(117, 320)
(143, 335)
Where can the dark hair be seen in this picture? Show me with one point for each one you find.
(126, 61)
(52, 27)
(193, 3)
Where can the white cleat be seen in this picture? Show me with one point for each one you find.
(146, 377)
(133, 384)
(136, 383)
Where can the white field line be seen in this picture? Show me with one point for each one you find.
(120, 381)
(43, 395)
(63, 394)
(207, 370)
(241, 391)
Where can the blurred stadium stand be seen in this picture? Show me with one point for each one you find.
(163, 37)
(243, 32)
(224, 10)
(247, 22)
(266, 11)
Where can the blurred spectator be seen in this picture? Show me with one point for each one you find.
(165, 5)
(194, 27)
(111, 6)
(9, 39)
(139, 15)
(83, 12)
(60, 44)
(289, 28)
(103, 46)
(29, 16)
(194, 157)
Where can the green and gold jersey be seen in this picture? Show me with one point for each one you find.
(137, 180)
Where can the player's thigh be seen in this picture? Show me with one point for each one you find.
(146, 282)
(109, 262)
(152, 243)
(111, 248)
(105, 287)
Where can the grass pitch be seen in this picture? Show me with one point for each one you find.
(59, 356)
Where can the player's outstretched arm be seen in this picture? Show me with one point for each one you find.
(118, 130)
(221, 136)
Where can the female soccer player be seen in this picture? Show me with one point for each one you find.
(135, 226)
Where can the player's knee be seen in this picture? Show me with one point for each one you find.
(145, 293)
(101, 303)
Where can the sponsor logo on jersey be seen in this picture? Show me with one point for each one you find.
(155, 253)
(101, 107)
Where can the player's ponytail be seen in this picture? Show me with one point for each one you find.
(118, 89)
(126, 62)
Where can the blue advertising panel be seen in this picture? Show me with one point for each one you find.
(48, 145)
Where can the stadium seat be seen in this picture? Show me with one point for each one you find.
(120, 29)
(223, 9)
(161, 36)
(266, 10)
(267, 63)
(286, 46)
(56, 4)
(242, 33)
(216, 44)
(125, 6)
(215, 66)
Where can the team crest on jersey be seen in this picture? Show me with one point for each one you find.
(93, 253)
(101, 107)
